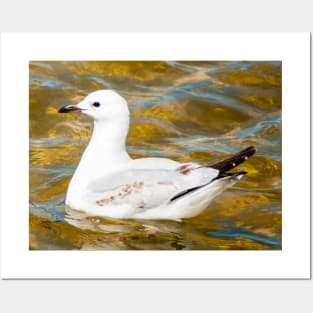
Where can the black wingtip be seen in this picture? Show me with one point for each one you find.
(235, 160)
(251, 150)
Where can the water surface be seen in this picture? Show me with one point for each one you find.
(187, 111)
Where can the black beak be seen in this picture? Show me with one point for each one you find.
(69, 108)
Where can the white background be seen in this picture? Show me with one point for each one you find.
(154, 296)
(291, 262)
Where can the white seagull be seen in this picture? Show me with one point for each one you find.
(109, 183)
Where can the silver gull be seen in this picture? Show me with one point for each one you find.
(109, 183)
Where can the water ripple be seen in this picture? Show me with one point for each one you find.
(239, 234)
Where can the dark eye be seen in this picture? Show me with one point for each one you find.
(96, 104)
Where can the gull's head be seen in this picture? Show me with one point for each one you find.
(101, 105)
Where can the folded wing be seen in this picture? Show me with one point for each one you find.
(146, 188)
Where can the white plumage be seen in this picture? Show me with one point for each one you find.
(107, 182)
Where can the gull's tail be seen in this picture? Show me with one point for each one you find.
(223, 175)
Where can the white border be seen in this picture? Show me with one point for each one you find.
(18, 262)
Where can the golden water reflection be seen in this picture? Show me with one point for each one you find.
(188, 111)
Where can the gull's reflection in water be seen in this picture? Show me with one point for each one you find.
(112, 234)
(84, 221)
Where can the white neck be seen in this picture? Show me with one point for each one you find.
(108, 142)
(107, 148)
